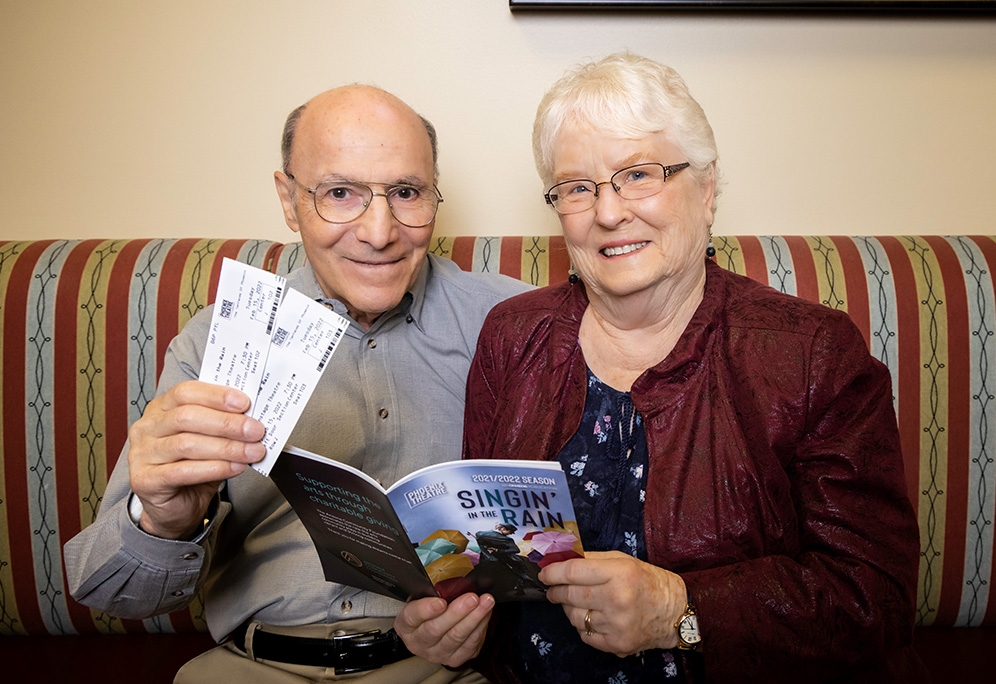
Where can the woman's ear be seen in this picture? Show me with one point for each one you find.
(708, 185)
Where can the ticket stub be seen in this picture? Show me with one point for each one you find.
(305, 335)
(271, 342)
(245, 311)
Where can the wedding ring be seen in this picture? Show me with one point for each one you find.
(587, 624)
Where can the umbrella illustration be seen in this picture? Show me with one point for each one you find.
(552, 542)
(570, 527)
(450, 588)
(474, 556)
(557, 556)
(434, 550)
(449, 566)
(449, 535)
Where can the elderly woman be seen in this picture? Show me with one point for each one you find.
(732, 451)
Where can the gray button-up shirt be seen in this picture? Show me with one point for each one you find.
(390, 401)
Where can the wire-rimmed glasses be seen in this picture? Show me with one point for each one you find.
(342, 201)
(632, 183)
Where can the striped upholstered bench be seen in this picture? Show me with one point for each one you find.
(84, 325)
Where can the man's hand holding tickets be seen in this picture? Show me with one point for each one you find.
(187, 442)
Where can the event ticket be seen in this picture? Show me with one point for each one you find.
(271, 342)
(304, 337)
(244, 312)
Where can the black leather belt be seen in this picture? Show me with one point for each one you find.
(347, 653)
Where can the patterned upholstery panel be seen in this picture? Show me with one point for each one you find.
(927, 308)
(84, 326)
(539, 260)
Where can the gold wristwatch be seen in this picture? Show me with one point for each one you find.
(687, 628)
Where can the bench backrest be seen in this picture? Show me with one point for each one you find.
(84, 325)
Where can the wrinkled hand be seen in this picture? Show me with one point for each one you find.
(633, 604)
(186, 443)
(449, 634)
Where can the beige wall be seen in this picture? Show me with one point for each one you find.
(122, 119)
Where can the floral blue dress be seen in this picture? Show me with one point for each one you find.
(606, 466)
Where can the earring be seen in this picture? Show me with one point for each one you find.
(710, 250)
(572, 276)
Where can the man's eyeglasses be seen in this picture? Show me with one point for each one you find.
(345, 201)
(631, 183)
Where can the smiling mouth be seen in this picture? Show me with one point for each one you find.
(363, 262)
(624, 249)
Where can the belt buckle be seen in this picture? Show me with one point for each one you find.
(346, 639)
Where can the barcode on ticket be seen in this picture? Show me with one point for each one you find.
(325, 357)
(332, 346)
(273, 313)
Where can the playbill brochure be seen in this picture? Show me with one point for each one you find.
(450, 528)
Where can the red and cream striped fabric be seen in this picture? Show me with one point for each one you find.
(84, 325)
(927, 308)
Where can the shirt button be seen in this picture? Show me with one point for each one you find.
(372, 343)
(189, 556)
(383, 414)
(347, 606)
(408, 318)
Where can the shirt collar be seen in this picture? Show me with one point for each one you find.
(416, 295)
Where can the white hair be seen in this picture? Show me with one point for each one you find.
(629, 96)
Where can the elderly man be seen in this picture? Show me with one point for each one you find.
(358, 184)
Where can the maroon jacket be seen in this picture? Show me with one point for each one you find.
(776, 486)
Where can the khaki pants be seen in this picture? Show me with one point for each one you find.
(226, 663)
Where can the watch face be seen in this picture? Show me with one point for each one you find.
(688, 630)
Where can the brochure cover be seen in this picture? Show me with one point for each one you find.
(450, 528)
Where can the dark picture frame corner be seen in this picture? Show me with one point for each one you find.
(950, 7)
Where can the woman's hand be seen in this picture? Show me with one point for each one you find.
(631, 606)
(449, 634)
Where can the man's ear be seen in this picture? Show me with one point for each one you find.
(288, 199)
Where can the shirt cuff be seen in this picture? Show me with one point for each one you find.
(135, 513)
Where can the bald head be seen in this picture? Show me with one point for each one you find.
(356, 98)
